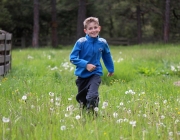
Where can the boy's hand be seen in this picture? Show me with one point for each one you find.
(110, 74)
(90, 67)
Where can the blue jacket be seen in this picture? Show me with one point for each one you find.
(88, 50)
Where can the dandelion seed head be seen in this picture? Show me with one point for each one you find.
(125, 120)
(103, 107)
(133, 123)
(51, 109)
(5, 120)
(129, 111)
(51, 100)
(63, 127)
(96, 109)
(162, 117)
(121, 104)
(57, 104)
(170, 134)
(58, 98)
(165, 101)
(30, 57)
(24, 97)
(51, 94)
(49, 57)
(176, 121)
(119, 121)
(130, 92)
(115, 115)
(143, 92)
(32, 106)
(105, 104)
(78, 117)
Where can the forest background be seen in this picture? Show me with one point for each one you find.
(37, 23)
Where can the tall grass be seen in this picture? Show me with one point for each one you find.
(139, 102)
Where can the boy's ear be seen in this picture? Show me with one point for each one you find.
(85, 31)
(99, 28)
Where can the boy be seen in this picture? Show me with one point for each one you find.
(86, 56)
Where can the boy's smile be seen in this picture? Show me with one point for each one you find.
(92, 29)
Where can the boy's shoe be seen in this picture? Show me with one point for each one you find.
(91, 105)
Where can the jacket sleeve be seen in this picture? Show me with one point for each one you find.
(74, 56)
(107, 59)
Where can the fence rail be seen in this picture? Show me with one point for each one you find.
(118, 41)
(5, 52)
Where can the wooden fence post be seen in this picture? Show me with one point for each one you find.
(5, 52)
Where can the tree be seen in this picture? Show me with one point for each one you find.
(81, 18)
(35, 39)
(139, 30)
(54, 24)
(166, 21)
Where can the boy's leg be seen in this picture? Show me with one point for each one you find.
(82, 84)
(93, 94)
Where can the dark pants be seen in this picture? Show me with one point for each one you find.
(88, 88)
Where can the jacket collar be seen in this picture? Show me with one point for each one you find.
(91, 39)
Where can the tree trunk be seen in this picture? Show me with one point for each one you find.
(54, 24)
(81, 18)
(35, 39)
(166, 21)
(139, 23)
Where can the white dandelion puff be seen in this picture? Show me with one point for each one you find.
(105, 104)
(171, 134)
(49, 57)
(24, 97)
(58, 98)
(165, 101)
(30, 57)
(63, 127)
(121, 104)
(78, 117)
(51, 100)
(119, 121)
(57, 104)
(162, 117)
(96, 109)
(133, 123)
(115, 115)
(5, 120)
(32, 106)
(51, 94)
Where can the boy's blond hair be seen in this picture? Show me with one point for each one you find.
(89, 20)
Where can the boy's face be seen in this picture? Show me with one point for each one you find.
(92, 29)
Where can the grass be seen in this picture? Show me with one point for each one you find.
(139, 102)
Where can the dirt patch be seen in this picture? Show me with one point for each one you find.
(177, 83)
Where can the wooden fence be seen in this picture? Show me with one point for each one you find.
(5, 52)
(118, 41)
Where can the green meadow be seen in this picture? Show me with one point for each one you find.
(140, 102)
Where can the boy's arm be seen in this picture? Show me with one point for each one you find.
(74, 56)
(108, 61)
